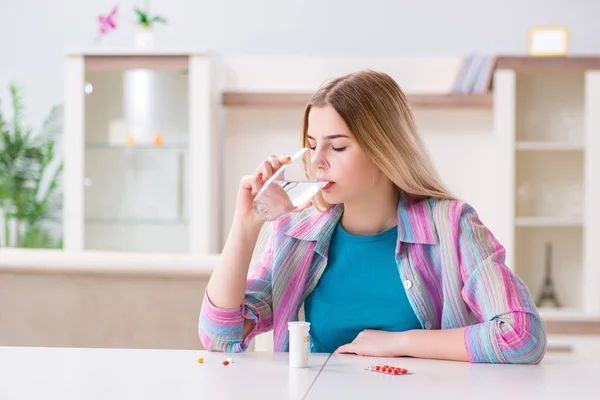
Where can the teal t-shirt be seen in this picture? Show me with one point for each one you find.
(360, 289)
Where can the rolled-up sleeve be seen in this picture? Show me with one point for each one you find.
(221, 329)
(510, 329)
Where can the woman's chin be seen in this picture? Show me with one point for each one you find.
(331, 198)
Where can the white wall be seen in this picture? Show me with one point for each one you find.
(34, 33)
(462, 151)
(32, 46)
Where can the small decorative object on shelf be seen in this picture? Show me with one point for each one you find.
(130, 140)
(475, 75)
(548, 41)
(107, 22)
(144, 38)
(145, 35)
(548, 295)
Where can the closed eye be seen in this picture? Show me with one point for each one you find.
(339, 149)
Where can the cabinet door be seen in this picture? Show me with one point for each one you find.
(136, 141)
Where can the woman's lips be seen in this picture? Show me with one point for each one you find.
(328, 186)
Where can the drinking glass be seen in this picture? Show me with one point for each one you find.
(291, 186)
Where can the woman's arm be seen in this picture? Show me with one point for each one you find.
(227, 283)
(447, 344)
(236, 308)
(510, 329)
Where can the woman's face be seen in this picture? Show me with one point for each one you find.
(339, 159)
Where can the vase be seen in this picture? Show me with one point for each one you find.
(145, 38)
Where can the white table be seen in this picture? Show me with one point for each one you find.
(559, 376)
(70, 373)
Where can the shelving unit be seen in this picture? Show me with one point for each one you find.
(296, 99)
(547, 125)
(141, 159)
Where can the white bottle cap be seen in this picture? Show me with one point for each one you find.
(298, 325)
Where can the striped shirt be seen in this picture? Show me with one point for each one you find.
(452, 267)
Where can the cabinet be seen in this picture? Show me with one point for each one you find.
(140, 152)
(548, 129)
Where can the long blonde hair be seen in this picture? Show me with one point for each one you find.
(377, 112)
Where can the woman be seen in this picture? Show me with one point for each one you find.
(386, 263)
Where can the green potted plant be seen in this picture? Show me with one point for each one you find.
(145, 35)
(29, 177)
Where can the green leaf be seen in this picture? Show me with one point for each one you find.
(25, 161)
(159, 19)
(142, 16)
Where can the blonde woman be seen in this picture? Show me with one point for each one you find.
(385, 263)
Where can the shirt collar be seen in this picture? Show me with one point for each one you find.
(415, 224)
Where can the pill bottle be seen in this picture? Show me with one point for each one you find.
(298, 343)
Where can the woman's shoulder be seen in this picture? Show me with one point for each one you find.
(447, 214)
(454, 207)
(454, 216)
(435, 207)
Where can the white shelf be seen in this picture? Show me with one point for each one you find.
(141, 146)
(549, 222)
(547, 124)
(565, 313)
(548, 146)
(135, 221)
(133, 52)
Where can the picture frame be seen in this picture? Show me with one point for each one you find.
(547, 41)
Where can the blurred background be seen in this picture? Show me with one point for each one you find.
(126, 125)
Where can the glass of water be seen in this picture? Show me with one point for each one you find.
(291, 186)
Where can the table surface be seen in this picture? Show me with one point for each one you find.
(559, 376)
(74, 373)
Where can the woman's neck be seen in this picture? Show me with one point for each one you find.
(373, 214)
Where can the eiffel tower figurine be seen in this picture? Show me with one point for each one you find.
(548, 294)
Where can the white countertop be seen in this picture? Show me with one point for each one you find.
(106, 262)
(72, 373)
(559, 376)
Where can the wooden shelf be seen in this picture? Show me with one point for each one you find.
(298, 99)
(178, 63)
(572, 327)
(548, 146)
(554, 222)
(541, 64)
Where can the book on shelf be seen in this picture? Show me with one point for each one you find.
(475, 74)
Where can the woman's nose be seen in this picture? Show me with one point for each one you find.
(319, 161)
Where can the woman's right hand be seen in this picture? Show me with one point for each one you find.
(249, 187)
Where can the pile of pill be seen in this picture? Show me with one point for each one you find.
(387, 369)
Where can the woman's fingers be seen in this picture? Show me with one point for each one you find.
(251, 182)
(275, 162)
(304, 206)
(268, 167)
